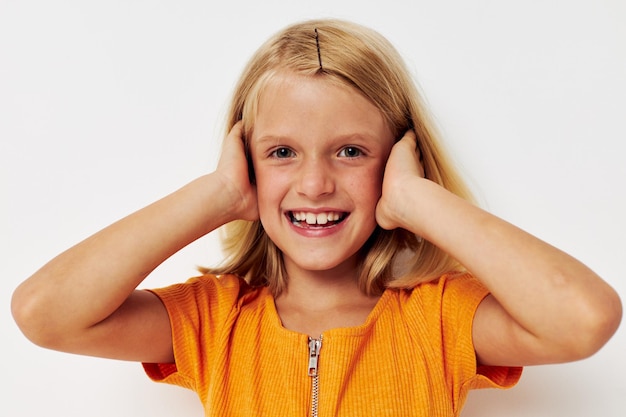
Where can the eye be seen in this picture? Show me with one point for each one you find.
(282, 153)
(350, 152)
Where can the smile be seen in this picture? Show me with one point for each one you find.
(309, 219)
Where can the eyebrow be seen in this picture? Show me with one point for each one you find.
(280, 138)
(271, 138)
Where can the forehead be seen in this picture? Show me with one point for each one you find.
(292, 104)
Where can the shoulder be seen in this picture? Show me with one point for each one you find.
(442, 312)
(205, 285)
(205, 293)
(446, 303)
(453, 287)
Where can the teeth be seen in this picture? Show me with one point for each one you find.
(316, 218)
(322, 218)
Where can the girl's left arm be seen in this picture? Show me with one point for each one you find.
(544, 307)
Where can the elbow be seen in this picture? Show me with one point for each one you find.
(609, 320)
(596, 325)
(32, 318)
(23, 309)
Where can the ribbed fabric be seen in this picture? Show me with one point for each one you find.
(412, 357)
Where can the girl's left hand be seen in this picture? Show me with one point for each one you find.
(544, 307)
(403, 167)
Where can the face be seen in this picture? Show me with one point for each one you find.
(319, 151)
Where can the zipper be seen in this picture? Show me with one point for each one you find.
(314, 354)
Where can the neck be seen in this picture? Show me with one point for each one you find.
(328, 287)
(316, 301)
(322, 294)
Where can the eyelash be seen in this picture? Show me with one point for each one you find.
(288, 153)
(351, 148)
(275, 153)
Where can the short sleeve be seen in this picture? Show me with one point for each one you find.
(461, 295)
(197, 310)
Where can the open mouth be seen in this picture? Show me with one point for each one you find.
(316, 220)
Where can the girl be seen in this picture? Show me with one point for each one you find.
(360, 279)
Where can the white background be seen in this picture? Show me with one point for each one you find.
(106, 106)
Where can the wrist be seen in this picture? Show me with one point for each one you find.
(420, 206)
(228, 202)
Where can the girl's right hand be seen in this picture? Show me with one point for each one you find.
(233, 172)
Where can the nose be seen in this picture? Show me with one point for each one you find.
(315, 179)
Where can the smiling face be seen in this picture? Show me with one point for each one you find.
(319, 150)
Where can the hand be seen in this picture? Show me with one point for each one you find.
(232, 170)
(403, 167)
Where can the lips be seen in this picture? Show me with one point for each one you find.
(316, 220)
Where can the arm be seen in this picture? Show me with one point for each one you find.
(544, 307)
(84, 300)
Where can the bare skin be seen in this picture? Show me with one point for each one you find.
(84, 301)
(316, 159)
(546, 306)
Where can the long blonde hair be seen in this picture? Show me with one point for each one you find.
(353, 55)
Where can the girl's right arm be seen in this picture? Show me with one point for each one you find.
(85, 300)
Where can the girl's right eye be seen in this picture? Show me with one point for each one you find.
(281, 153)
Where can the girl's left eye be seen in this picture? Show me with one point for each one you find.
(282, 153)
(350, 152)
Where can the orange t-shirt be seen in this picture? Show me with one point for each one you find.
(413, 356)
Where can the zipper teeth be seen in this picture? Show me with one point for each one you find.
(314, 396)
(314, 351)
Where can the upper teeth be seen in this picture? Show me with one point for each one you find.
(316, 218)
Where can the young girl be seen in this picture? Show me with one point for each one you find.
(360, 279)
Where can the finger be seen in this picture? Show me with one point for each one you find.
(410, 138)
(233, 145)
(237, 128)
(236, 132)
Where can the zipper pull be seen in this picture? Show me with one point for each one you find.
(314, 352)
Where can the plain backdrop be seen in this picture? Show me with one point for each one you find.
(106, 106)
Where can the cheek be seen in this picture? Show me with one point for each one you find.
(374, 175)
(271, 187)
(264, 194)
(263, 176)
(366, 185)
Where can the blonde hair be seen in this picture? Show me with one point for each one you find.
(353, 55)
